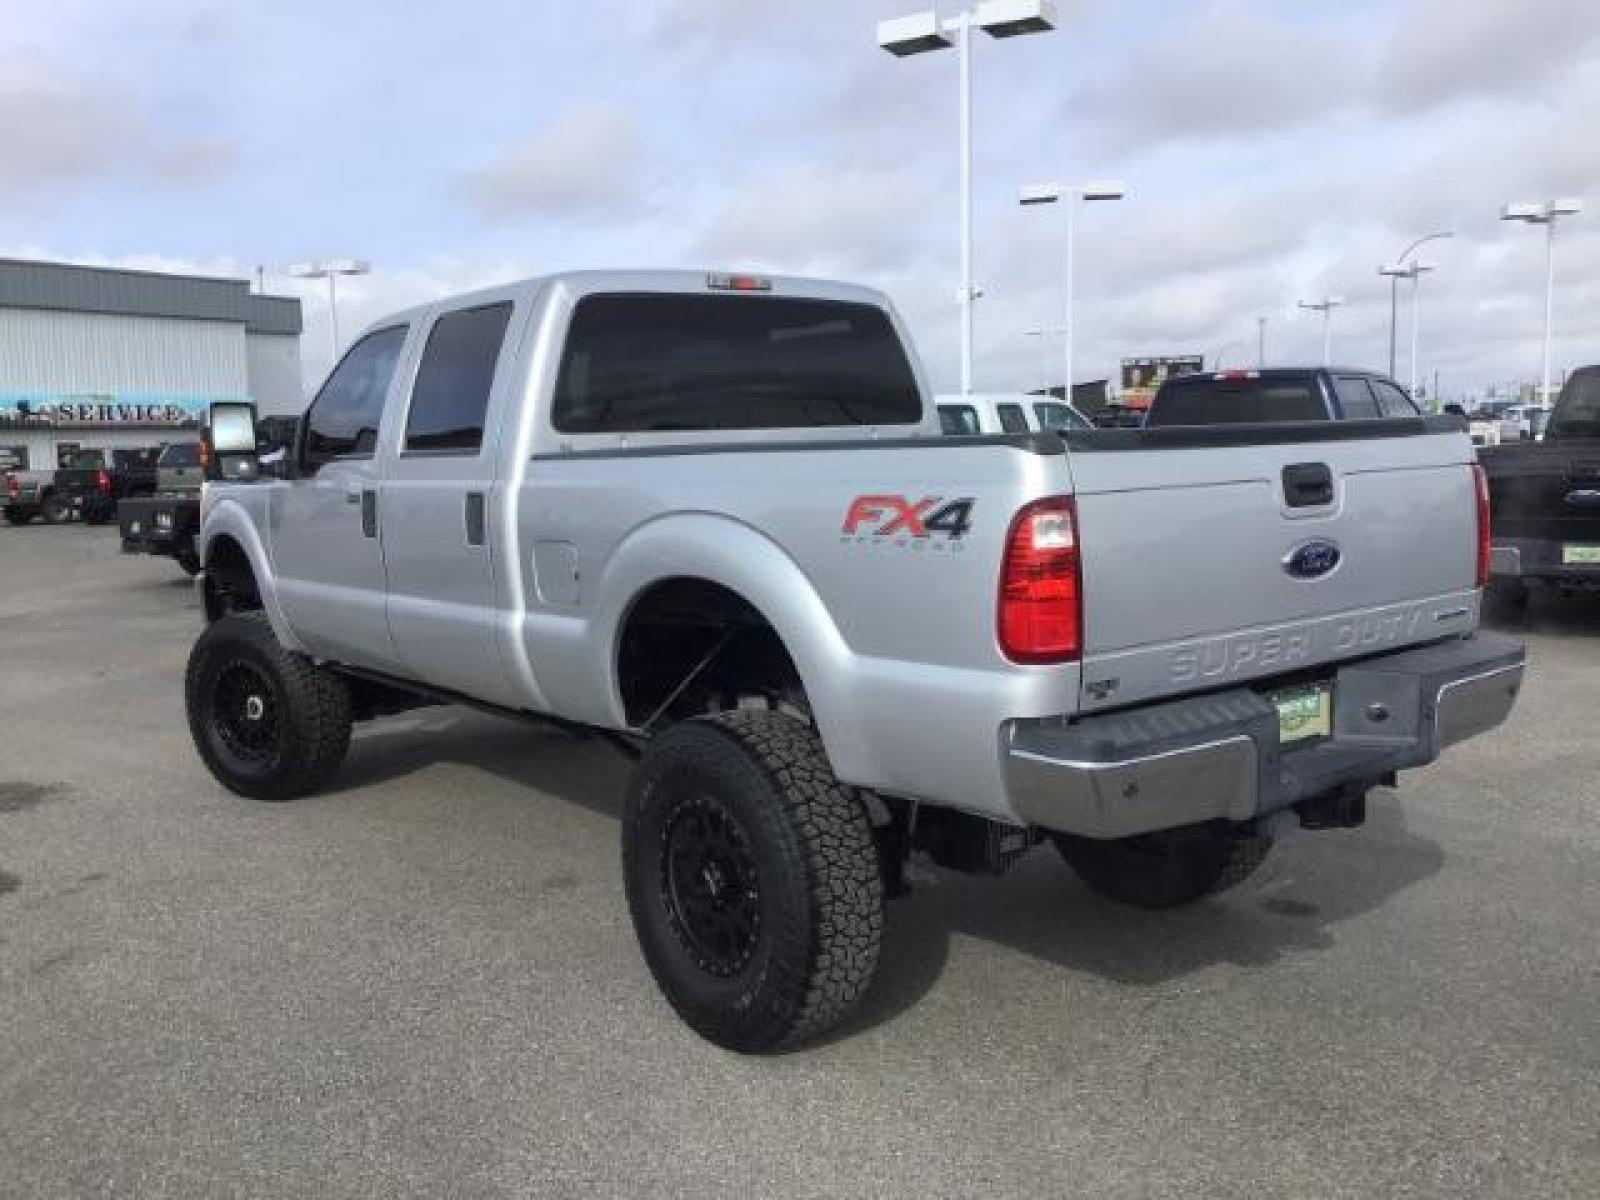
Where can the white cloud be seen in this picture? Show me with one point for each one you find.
(55, 128)
(586, 159)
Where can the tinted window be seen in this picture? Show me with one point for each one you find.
(1012, 418)
(125, 460)
(343, 422)
(669, 362)
(451, 394)
(1356, 402)
(87, 460)
(1392, 401)
(1200, 400)
(1058, 417)
(1577, 412)
(180, 454)
(956, 419)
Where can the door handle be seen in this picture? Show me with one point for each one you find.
(369, 513)
(474, 518)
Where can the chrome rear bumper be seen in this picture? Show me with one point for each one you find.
(1218, 756)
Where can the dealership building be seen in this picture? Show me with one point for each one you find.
(93, 358)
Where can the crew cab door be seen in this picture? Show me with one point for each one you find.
(439, 499)
(325, 546)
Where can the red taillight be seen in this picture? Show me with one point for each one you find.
(1041, 593)
(205, 456)
(102, 483)
(13, 488)
(1481, 484)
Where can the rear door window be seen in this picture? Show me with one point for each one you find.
(1012, 418)
(1392, 401)
(1058, 418)
(450, 397)
(1356, 401)
(958, 419)
(637, 362)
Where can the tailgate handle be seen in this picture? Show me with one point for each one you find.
(1307, 485)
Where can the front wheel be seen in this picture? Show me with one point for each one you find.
(1167, 868)
(752, 879)
(18, 516)
(55, 510)
(269, 723)
(188, 558)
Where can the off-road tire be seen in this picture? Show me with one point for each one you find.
(808, 948)
(308, 708)
(54, 510)
(188, 560)
(18, 516)
(1169, 868)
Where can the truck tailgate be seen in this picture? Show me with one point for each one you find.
(1212, 556)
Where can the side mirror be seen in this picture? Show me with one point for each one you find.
(232, 432)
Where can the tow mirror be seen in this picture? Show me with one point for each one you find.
(232, 432)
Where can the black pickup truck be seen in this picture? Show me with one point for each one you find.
(166, 522)
(1544, 499)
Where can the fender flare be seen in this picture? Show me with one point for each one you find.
(229, 519)
(733, 555)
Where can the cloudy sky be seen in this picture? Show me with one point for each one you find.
(1273, 151)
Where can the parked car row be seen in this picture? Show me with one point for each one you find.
(88, 488)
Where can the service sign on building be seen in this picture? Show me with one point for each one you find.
(122, 410)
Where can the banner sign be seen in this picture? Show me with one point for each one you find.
(115, 410)
(1141, 377)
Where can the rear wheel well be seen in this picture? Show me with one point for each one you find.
(230, 581)
(690, 646)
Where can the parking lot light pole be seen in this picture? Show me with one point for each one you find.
(1396, 272)
(925, 31)
(1402, 258)
(330, 271)
(1547, 214)
(1069, 196)
(1325, 306)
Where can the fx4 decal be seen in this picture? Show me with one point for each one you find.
(901, 518)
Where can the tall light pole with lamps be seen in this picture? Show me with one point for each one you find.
(1413, 271)
(1325, 306)
(330, 271)
(925, 31)
(1069, 195)
(1546, 213)
(1401, 259)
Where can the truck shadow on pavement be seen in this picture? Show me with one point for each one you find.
(1310, 883)
(1547, 612)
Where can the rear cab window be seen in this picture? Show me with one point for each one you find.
(1246, 399)
(179, 454)
(639, 362)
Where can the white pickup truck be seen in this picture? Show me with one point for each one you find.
(713, 519)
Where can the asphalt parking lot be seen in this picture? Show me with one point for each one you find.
(425, 983)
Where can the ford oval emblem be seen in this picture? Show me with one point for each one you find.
(1312, 560)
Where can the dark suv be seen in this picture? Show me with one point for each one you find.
(1278, 394)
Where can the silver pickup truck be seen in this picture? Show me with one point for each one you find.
(712, 519)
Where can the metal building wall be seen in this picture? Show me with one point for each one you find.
(54, 351)
(276, 384)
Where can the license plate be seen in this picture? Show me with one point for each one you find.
(1304, 712)
(1572, 556)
